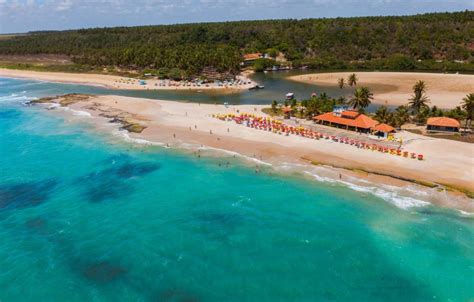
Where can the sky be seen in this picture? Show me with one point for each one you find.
(17, 16)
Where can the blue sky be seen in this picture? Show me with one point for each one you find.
(26, 15)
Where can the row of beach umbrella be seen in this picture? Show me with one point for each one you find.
(278, 127)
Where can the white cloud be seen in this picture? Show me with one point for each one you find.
(25, 15)
(64, 5)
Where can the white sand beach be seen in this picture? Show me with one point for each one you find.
(395, 88)
(118, 82)
(177, 123)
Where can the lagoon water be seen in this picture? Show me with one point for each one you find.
(87, 217)
(276, 87)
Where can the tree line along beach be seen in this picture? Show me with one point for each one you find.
(326, 159)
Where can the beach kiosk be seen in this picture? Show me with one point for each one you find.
(382, 130)
(442, 124)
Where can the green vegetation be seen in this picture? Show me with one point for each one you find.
(416, 110)
(73, 68)
(439, 41)
(340, 83)
(396, 118)
(262, 64)
(6, 37)
(419, 101)
(362, 98)
(468, 106)
(352, 80)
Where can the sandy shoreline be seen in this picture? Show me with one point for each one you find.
(118, 82)
(176, 123)
(395, 88)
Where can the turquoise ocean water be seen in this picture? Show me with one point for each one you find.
(87, 217)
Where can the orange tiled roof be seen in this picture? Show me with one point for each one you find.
(443, 122)
(252, 56)
(383, 128)
(361, 121)
(286, 109)
(352, 114)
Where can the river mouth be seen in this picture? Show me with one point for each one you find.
(101, 220)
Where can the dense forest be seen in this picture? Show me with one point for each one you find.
(438, 41)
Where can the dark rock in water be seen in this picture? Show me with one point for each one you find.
(106, 190)
(222, 219)
(24, 195)
(64, 100)
(135, 169)
(102, 272)
(38, 226)
(174, 295)
(36, 223)
(123, 170)
(110, 183)
(217, 226)
(133, 127)
(115, 120)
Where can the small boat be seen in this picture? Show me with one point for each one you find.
(290, 95)
(256, 87)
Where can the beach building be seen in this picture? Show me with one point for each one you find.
(444, 124)
(383, 130)
(346, 119)
(251, 57)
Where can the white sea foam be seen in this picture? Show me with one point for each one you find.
(15, 98)
(466, 214)
(403, 198)
(256, 160)
(74, 112)
(81, 113)
(392, 194)
(393, 197)
(126, 136)
(53, 105)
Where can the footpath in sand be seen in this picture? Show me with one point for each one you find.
(449, 163)
(395, 88)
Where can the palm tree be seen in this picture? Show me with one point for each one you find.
(352, 80)
(401, 116)
(312, 108)
(274, 106)
(468, 105)
(383, 115)
(341, 83)
(323, 97)
(419, 100)
(362, 98)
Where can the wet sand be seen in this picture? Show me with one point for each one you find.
(177, 124)
(395, 88)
